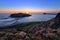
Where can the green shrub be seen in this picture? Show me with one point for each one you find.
(53, 37)
(2, 34)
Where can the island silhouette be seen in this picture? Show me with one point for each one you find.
(19, 15)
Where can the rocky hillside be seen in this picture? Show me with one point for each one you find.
(49, 30)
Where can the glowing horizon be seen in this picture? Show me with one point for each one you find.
(27, 11)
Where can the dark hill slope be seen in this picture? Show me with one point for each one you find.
(56, 22)
(49, 30)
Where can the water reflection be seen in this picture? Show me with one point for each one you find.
(35, 18)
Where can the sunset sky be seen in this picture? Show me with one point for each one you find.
(29, 6)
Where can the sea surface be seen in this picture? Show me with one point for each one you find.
(5, 20)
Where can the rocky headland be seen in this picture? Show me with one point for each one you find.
(47, 30)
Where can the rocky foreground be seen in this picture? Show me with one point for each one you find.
(47, 30)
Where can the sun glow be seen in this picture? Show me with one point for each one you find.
(27, 11)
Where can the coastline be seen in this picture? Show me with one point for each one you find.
(33, 30)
